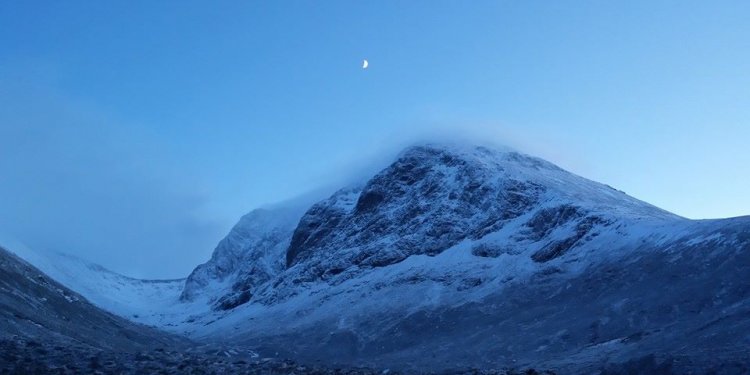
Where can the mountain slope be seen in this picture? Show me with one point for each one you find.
(151, 302)
(36, 307)
(46, 328)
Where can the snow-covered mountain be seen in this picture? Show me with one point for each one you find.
(470, 256)
(429, 200)
(461, 256)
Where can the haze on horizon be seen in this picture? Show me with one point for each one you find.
(136, 134)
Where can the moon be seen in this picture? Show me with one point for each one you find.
(365, 64)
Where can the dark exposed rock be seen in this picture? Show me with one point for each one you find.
(368, 201)
(557, 248)
(548, 219)
(233, 300)
(492, 250)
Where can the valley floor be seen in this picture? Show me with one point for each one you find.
(23, 356)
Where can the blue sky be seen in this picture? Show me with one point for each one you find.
(135, 134)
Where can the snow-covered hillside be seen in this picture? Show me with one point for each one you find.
(37, 311)
(144, 301)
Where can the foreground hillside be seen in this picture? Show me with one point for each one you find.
(36, 307)
(45, 328)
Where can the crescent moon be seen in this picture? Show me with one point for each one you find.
(365, 64)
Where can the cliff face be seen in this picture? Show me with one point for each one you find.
(425, 202)
(251, 254)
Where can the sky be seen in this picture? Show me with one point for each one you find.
(135, 134)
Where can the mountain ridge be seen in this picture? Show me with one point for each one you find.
(492, 188)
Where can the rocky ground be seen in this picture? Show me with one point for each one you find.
(23, 356)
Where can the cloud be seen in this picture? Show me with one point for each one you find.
(75, 180)
(365, 160)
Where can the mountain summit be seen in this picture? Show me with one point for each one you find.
(431, 198)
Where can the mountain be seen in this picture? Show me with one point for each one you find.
(456, 256)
